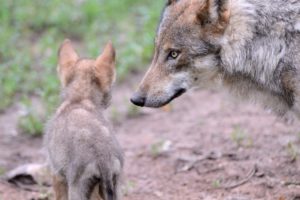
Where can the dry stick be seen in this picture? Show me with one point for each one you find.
(209, 171)
(291, 183)
(25, 188)
(242, 182)
(20, 186)
(191, 165)
(28, 189)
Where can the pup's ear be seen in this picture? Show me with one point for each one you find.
(105, 67)
(215, 13)
(67, 57)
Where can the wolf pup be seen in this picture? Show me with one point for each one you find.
(83, 153)
(250, 46)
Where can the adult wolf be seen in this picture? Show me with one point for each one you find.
(250, 46)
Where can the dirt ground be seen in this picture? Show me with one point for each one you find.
(205, 147)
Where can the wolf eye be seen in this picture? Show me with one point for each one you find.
(173, 55)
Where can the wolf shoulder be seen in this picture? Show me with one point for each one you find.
(79, 125)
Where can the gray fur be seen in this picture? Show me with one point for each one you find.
(256, 53)
(268, 49)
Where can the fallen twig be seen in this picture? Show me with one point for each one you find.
(26, 188)
(243, 181)
(291, 183)
(19, 185)
(190, 163)
(209, 170)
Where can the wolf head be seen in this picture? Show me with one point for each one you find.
(86, 79)
(187, 47)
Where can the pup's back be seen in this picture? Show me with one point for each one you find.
(81, 148)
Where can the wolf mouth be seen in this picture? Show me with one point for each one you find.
(177, 93)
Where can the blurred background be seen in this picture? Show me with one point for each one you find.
(32, 31)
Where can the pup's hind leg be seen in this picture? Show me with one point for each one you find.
(60, 188)
(96, 194)
(296, 106)
(82, 189)
(117, 189)
(110, 190)
(291, 82)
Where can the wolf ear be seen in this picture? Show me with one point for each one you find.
(105, 67)
(67, 57)
(214, 12)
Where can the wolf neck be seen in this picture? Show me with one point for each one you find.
(253, 54)
(86, 96)
(249, 53)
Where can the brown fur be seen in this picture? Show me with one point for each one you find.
(83, 153)
(60, 187)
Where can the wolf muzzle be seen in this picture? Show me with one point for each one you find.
(141, 100)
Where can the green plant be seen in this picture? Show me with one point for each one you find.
(31, 124)
(160, 147)
(292, 151)
(115, 115)
(240, 137)
(130, 185)
(216, 183)
(2, 171)
(45, 195)
(133, 111)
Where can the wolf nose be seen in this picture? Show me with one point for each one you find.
(138, 100)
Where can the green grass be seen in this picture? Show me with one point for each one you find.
(216, 184)
(241, 137)
(31, 32)
(128, 187)
(2, 171)
(292, 151)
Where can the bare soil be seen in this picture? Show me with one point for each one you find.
(204, 147)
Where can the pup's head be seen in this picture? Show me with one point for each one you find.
(187, 47)
(86, 79)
